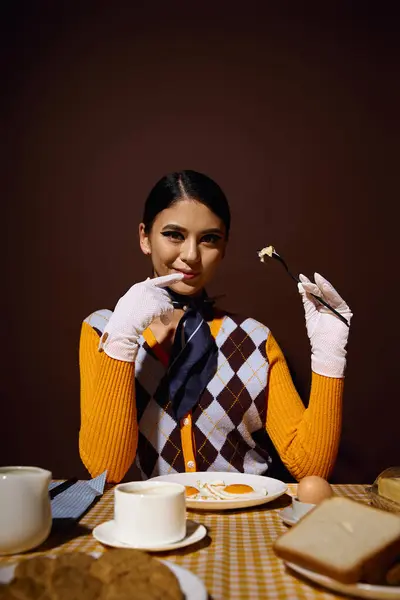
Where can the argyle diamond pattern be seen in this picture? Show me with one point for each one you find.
(230, 412)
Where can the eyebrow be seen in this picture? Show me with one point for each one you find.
(174, 227)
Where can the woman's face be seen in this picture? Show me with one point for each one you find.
(189, 238)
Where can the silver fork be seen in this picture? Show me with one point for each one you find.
(279, 258)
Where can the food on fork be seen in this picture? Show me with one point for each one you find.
(267, 251)
(313, 489)
(345, 540)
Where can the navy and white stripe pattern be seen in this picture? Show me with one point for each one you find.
(75, 500)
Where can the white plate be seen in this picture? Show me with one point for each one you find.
(105, 533)
(274, 487)
(358, 590)
(191, 586)
(288, 517)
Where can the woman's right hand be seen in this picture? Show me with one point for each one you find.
(134, 312)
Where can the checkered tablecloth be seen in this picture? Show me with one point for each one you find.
(235, 561)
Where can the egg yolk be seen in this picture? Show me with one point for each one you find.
(238, 488)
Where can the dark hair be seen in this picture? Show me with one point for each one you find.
(191, 184)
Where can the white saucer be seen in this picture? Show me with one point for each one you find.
(288, 517)
(105, 533)
(191, 585)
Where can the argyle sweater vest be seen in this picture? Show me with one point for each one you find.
(228, 423)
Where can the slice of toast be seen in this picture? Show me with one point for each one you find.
(345, 540)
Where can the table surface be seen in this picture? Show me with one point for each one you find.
(235, 560)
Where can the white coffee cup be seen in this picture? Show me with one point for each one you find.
(300, 509)
(148, 513)
(25, 510)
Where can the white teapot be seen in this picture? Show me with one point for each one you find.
(25, 510)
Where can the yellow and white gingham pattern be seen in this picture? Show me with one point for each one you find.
(235, 561)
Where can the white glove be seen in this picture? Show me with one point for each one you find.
(328, 334)
(134, 312)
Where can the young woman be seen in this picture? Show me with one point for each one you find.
(171, 380)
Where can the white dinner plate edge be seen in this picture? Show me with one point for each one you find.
(359, 590)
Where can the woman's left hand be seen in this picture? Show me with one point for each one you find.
(328, 334)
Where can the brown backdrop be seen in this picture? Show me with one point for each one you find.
(295, 116)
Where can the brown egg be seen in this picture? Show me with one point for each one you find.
(313, 489)
(238, 488)
(190, 490)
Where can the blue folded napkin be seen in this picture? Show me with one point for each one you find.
(75, 500)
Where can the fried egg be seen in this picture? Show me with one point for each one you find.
(238, 488)
(219, 490)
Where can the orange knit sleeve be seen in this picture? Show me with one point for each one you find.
(307, 440)
(108, 434)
